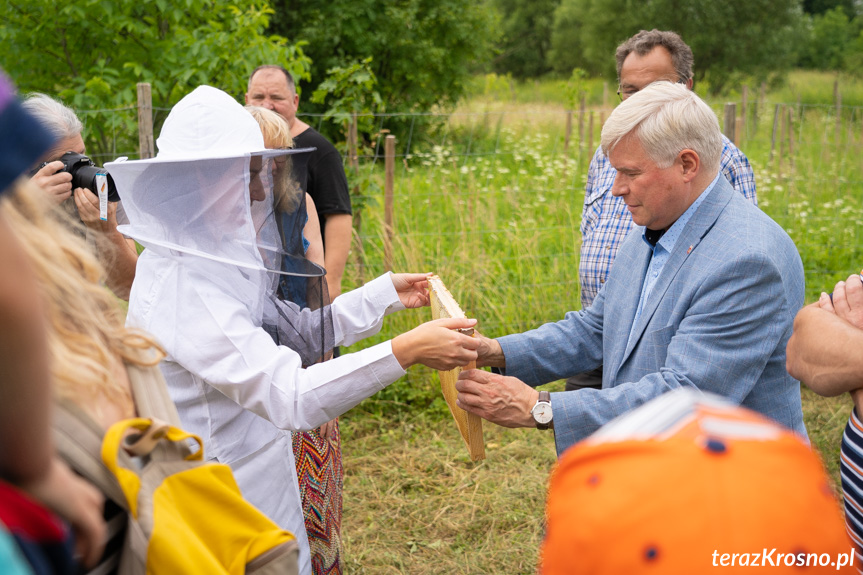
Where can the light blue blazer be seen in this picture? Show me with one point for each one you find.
(718, 319)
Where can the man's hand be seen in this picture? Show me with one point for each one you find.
(412, 289)
(847, 301)
(503, 400)
(437, 345)
(57, 184)
(489, 352)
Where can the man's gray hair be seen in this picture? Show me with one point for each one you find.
(60, 120)
(666, 118)
(292, 86)
(645, 41)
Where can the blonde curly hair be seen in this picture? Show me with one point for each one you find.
(87, 336)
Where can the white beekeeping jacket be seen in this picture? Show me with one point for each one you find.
(239, 312)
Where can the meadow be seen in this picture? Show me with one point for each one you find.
(490, 198)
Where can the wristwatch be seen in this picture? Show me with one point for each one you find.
(541, 411)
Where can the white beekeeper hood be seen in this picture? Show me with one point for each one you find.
(217, 202)
(213, 190)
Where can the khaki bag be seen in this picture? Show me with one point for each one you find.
(183, 515)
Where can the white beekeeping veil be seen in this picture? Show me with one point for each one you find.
(215, 199)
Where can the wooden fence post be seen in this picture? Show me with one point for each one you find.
(790, 138)
(744, 108)
(783, 123)
(353, 157)
(354, 164)
(738, 130)
(775, 125)
(837, 99)
(730, 124)
(390, 163)
(581, 109)
(590, 132)
(568, 134)
(760, 106)
(145, 121)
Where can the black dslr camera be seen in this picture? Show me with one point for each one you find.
(84, 173)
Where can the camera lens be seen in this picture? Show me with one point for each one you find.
(85, 177)
(84, 173)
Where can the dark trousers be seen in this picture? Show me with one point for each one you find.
(588, 379)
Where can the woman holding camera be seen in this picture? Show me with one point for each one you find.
(117, 254)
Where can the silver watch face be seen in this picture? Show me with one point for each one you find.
(542, 412)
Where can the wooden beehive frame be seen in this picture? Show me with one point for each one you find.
(443, 305)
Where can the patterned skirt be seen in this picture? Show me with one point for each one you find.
(320, 475)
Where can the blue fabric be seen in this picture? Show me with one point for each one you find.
(718, 319)
(11, 560)
(605, 221)
(294, 288)
(23, 140)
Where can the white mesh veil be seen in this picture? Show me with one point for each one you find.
(216, 201)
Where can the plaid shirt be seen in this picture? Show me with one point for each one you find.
(605, 221)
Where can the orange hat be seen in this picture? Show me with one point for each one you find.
(688, 483)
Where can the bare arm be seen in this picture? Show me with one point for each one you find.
(337, 239)
(824, 351)
(312, 233)
(116, 253)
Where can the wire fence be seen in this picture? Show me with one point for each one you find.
(491, 198)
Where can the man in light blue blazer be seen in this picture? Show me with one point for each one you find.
(702, 294)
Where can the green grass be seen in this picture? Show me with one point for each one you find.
(492, 202)
(414, 503)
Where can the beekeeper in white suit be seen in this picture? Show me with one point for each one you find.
(239, 310)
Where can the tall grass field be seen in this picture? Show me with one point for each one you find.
(490, 198)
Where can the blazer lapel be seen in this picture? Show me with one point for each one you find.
(623, 303)
(700, 223)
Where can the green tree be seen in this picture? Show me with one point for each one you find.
(565, 50)
(347, 91)
(822, 6)
(526, 26)
(747, 37)
(832, 40)
(423, 51)
(93, 52)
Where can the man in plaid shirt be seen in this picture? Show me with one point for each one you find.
(645, 58)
